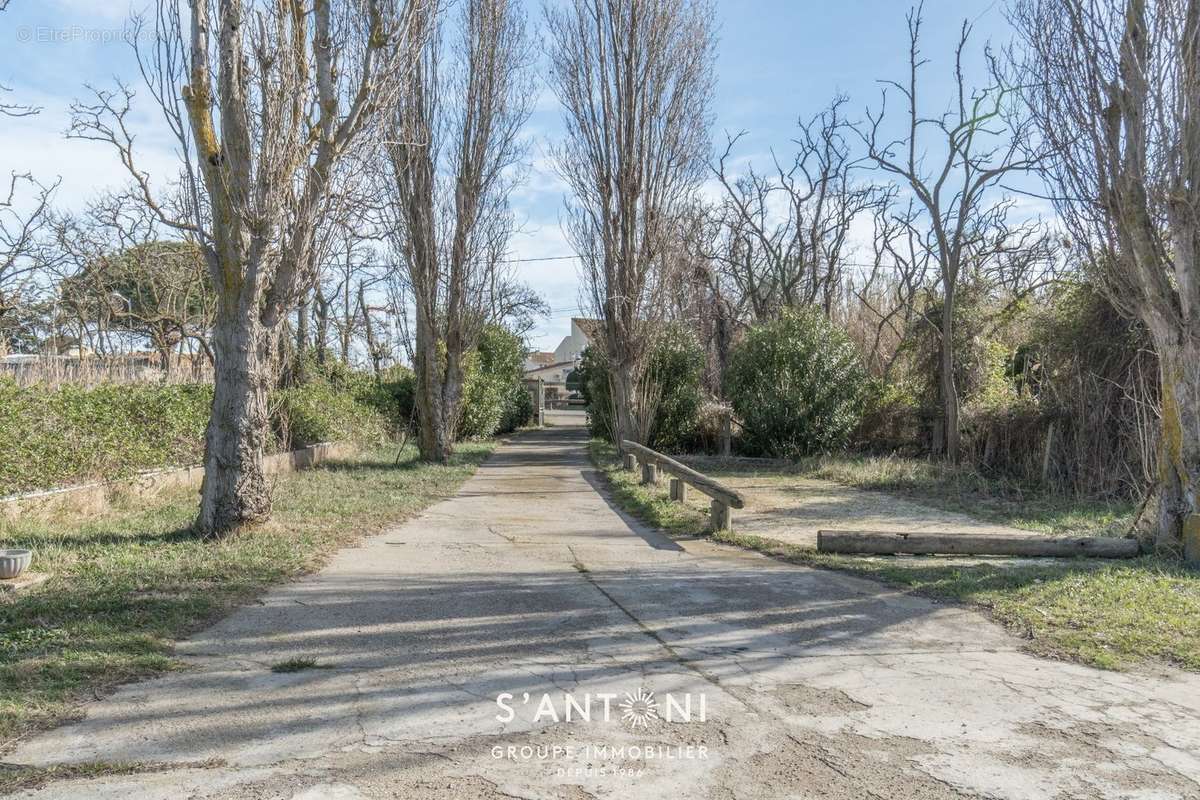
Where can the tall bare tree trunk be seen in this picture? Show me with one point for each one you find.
(1179, 455)
(623, 386)
(949, 388)
(458, 136)
(635, 81)
(266, 100)
(1114, 88)
(235, 488)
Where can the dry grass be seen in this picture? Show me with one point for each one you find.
(57, 371)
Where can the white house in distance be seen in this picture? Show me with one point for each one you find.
(553, 368)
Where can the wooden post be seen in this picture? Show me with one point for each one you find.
(650, 473)
(1048, 453)
(678, 490)
(630, 462)
(722, 516)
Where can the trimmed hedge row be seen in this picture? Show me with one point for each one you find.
(70, 435)
(51, 437)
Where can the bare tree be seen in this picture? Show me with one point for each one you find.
(453, 151)
(635, 80)
(982, 142)
(118, 270)
(1113, 87)
(13, 109)
(787, 230)
(24, 218)
(22, 221)
(275, 96)
(888, 290)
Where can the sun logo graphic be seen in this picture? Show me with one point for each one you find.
(638, 708)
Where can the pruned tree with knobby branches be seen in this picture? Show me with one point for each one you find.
(955, 165)
(264, 100)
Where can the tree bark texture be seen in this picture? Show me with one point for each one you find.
(235, 490)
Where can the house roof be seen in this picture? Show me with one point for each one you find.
(543, 359)
(591, 327)
(548, 367)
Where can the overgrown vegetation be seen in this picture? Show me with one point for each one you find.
(672, 384)
(68, 435)
(125, 584)
(1110, 614)
(798, 385)
(495, 400)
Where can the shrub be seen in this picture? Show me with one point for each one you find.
(493, 389)
(798, 385)
(675, 369)
(318, 412)
(518, 409)
(72, 434)
(592, 378)
(396, 396)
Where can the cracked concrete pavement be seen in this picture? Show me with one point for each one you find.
(528, 582)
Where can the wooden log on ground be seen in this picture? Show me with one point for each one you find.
(701, 482)
(972, 544)
(649, 473)
(721, 516)
(678, 490)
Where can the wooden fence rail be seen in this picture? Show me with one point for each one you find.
(724, 499)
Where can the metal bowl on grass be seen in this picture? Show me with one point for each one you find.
(13, 562)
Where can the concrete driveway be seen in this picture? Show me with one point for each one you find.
(502, 645)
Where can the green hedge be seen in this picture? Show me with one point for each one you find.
(675, 370)
(70, 435)
(494, 398)
(318, 412)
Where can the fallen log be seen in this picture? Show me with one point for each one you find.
(972, 544)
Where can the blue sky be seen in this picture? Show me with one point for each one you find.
(777, 60)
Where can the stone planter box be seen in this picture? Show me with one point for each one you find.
(13, 563)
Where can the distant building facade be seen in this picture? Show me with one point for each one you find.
(554, 367)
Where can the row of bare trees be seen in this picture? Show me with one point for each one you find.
(634, 79)
(307, 134)
(1101, 98)
(299, 126)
